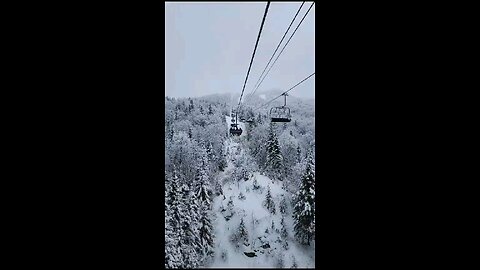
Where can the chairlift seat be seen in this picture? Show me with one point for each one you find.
(236, 131)
(281, 119)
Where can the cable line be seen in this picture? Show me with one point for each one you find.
(253, 55)
(276, 49)
(284, 46)
(285, 91)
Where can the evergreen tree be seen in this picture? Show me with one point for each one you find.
(230, 208)
(191, 106)
(255, 184)
(189, 234)
(299, 153)
(294, 263)
(280, 263)
(283, 205)
(205, 235)
(210, 153)
(173, 256)
(173, 202)
(274, 156)
(283, 232)
(304, 210)
(269, 203)
(202, 176)
(242, 232)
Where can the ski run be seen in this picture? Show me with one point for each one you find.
(241, 200)
(269, 248)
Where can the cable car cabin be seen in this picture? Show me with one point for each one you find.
(233, 120)
(236, 131)
(280, 114)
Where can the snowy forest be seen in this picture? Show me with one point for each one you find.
(239, 201)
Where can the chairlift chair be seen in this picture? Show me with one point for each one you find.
(236, 131)
(282, 113)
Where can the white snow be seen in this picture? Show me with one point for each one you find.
(250, 208)
(262, 96)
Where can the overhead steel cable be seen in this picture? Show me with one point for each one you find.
(276, 49)
(284, 92)
(253, 55)
(284, 47)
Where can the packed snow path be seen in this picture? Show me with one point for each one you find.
(256, 219)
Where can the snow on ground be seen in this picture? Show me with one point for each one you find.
(262, 96)
(252, 208)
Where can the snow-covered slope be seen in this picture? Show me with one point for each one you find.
(257, 220)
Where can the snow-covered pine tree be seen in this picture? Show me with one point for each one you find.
(173, 257)
(222, 159)
(274, 156)
(206, 237)
(283, 205)
(269, 203)
(280, 263)
(169, 242)
(242, 232)
(294, 263)
(189, 236)
(210, 153)
(283, 232)
(255, 184)
(304, 210)
(202, 178)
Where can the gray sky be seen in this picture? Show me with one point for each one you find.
(208, 47)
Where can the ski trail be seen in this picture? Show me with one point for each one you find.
(256, 219)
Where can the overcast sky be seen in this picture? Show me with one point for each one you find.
(208, 47)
